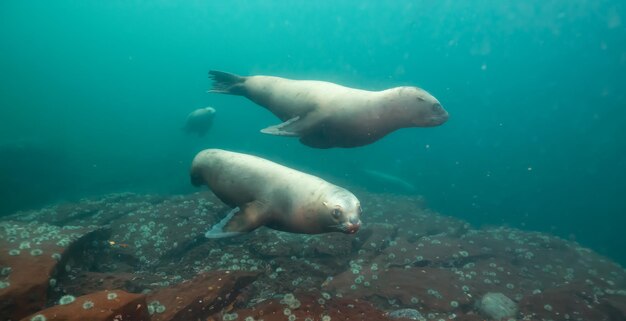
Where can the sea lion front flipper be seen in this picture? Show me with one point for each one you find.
(217, 230)
(287, 128)
(238, 221)
(296, 126)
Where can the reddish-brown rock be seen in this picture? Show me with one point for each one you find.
(200, 297)
(615, 307)
(30, 255)
(314, 307)
(571, 302)
(156, 241)
(375, 237)
(100, 306)
(428, 251)
(432, 289)
(89, 282)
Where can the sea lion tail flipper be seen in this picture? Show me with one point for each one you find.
(226, 83)
(237, 222)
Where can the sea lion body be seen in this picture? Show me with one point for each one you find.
(200, 121)
(267, 193)
(326, 115)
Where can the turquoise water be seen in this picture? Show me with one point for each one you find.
(93, 96)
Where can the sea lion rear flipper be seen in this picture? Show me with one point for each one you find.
(237, 222)
(226, 83)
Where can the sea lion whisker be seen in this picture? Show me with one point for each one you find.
(343, 227)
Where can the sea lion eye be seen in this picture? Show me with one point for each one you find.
(336, 213)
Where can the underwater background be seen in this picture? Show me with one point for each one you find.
(93, 96)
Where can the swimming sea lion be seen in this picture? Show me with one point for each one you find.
(389, 180)
(326, 115)
(200, 121)
(266, 193)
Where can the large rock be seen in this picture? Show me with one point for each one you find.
(615, 306)
(149, 228)
(439, 251)
(100, 306)
(308, 307)
(428, 289)
(31, 256)
(575, 301)
(374, 238)
(200, 297)
(405, 256)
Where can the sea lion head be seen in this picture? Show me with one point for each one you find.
(201, 112)
(200, 120)
(344, 211)
(419, 107)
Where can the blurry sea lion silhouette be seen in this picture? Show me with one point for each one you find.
(325, 115)
(390, 180)
(200, 121)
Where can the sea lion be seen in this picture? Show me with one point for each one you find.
(265, 193)
(200, 121)
(389, 180)
(325, 115)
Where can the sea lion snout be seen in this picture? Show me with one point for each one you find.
(416, 107)
(430, 114)
(439, 116)
(353, 221)
(353, 225)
